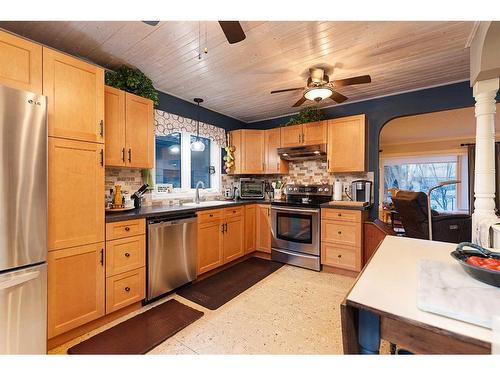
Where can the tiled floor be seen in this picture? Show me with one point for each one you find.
(292, 311)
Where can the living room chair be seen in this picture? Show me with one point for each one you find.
(412, 208)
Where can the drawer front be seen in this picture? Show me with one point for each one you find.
(340, 232)
(233, 211)
(341, 215)
(209, 215)
(341, 256)
(125, 254)
(125, 289)
(122, 229)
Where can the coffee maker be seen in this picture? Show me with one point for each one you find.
(361, 191)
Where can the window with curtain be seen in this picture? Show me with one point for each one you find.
(178, 165)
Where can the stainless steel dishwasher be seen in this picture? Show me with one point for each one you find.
(171, 253)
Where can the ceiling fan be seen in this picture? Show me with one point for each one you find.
(232, 30)
(319, 87)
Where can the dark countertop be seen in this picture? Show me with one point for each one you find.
(334, 204)
(154, 211)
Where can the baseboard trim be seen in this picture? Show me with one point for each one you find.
(339, 271)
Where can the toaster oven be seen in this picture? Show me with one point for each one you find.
(251, 188)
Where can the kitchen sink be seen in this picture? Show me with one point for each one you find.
(207, 203)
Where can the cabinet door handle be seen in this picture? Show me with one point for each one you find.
(102, 257)
(127, 255)
(127, 229)
(339, 215)
(211, 215)
(127, 289)
(339, 256)
(130, 155)
(278, 166)
(222, 228)
(225, 227)
(101, 131)
(339, 232)
(123, 154)
(102, 157)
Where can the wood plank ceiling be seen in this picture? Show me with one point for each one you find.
(236, 79)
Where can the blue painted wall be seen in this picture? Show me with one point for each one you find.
(380, 111)
(172, 104)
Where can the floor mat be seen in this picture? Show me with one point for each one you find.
(143, 332)
(216, 290)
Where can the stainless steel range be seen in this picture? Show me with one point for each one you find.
(296, 225)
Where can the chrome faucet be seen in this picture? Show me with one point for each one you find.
(197, 197)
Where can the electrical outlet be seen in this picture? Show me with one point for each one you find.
(346, 186)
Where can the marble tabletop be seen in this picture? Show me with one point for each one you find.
(389, 283)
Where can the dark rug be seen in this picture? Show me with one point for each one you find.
(143, 332)
(222, 287)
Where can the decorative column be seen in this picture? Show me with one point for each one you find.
(484, 175)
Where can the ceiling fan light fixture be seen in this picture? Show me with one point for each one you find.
(318, 93)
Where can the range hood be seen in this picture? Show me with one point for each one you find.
(303, 152)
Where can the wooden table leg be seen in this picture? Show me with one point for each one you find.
(349, 320)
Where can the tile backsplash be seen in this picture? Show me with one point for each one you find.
(129, 179)
(310, 172)
(307, 172)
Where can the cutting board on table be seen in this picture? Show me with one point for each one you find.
(445, 289)
(348, 203)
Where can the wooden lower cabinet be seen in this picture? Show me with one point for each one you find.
(342, 238)
(210, 251)
(221, 237)
(124, 289)
(75, 287)
(263, 228)
(234, 238)
(125, 254)
(250, 233)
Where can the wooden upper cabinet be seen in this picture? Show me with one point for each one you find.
(20, 63)
(347, 144)
(273, 163)
(76, 193)
(75, 92)
(75, 287)
(291, 136)
(263, 228)
(253, 150)
(114, 120)
(139, 134)
(314, 133)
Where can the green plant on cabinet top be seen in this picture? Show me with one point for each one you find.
(133, 81)
(307, 114)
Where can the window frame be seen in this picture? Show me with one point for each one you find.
(459, 156)
(185, 189)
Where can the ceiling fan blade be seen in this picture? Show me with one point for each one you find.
(151, 23)
(338, 97)
(233, 31)
(352, 81)
(300, 102)
(285, 90)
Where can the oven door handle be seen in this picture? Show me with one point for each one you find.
(295, 209)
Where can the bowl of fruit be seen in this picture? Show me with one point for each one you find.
(480, 263)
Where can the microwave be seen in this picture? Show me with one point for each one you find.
(252, 188)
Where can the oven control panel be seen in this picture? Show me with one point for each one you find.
(309, 190)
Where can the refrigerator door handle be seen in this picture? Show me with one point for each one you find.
(17, 280)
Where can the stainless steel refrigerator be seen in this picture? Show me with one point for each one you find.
(23, 222)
